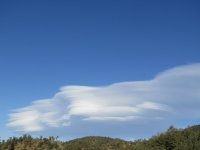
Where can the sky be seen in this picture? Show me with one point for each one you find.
(78, 68)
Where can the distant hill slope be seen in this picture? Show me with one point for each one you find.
(96, 143)
(172, 139)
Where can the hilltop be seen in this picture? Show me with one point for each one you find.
(172, 139)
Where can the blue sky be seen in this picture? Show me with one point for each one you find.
(45, 45)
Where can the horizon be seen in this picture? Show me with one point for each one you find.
(70, 67)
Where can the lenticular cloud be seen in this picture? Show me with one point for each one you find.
(173, 95)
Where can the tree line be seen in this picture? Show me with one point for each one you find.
(172, 139)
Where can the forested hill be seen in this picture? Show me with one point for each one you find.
(172, 139)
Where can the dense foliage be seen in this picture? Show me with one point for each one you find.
(172, 139)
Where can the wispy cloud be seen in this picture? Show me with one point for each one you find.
(171, 96)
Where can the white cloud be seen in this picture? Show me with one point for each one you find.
(171, 96)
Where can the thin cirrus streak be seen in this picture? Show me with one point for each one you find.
(172, 95)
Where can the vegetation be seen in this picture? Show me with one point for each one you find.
(172, 139)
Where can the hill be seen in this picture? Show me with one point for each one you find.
(172, 139)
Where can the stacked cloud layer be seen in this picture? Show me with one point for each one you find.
(172, 97)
